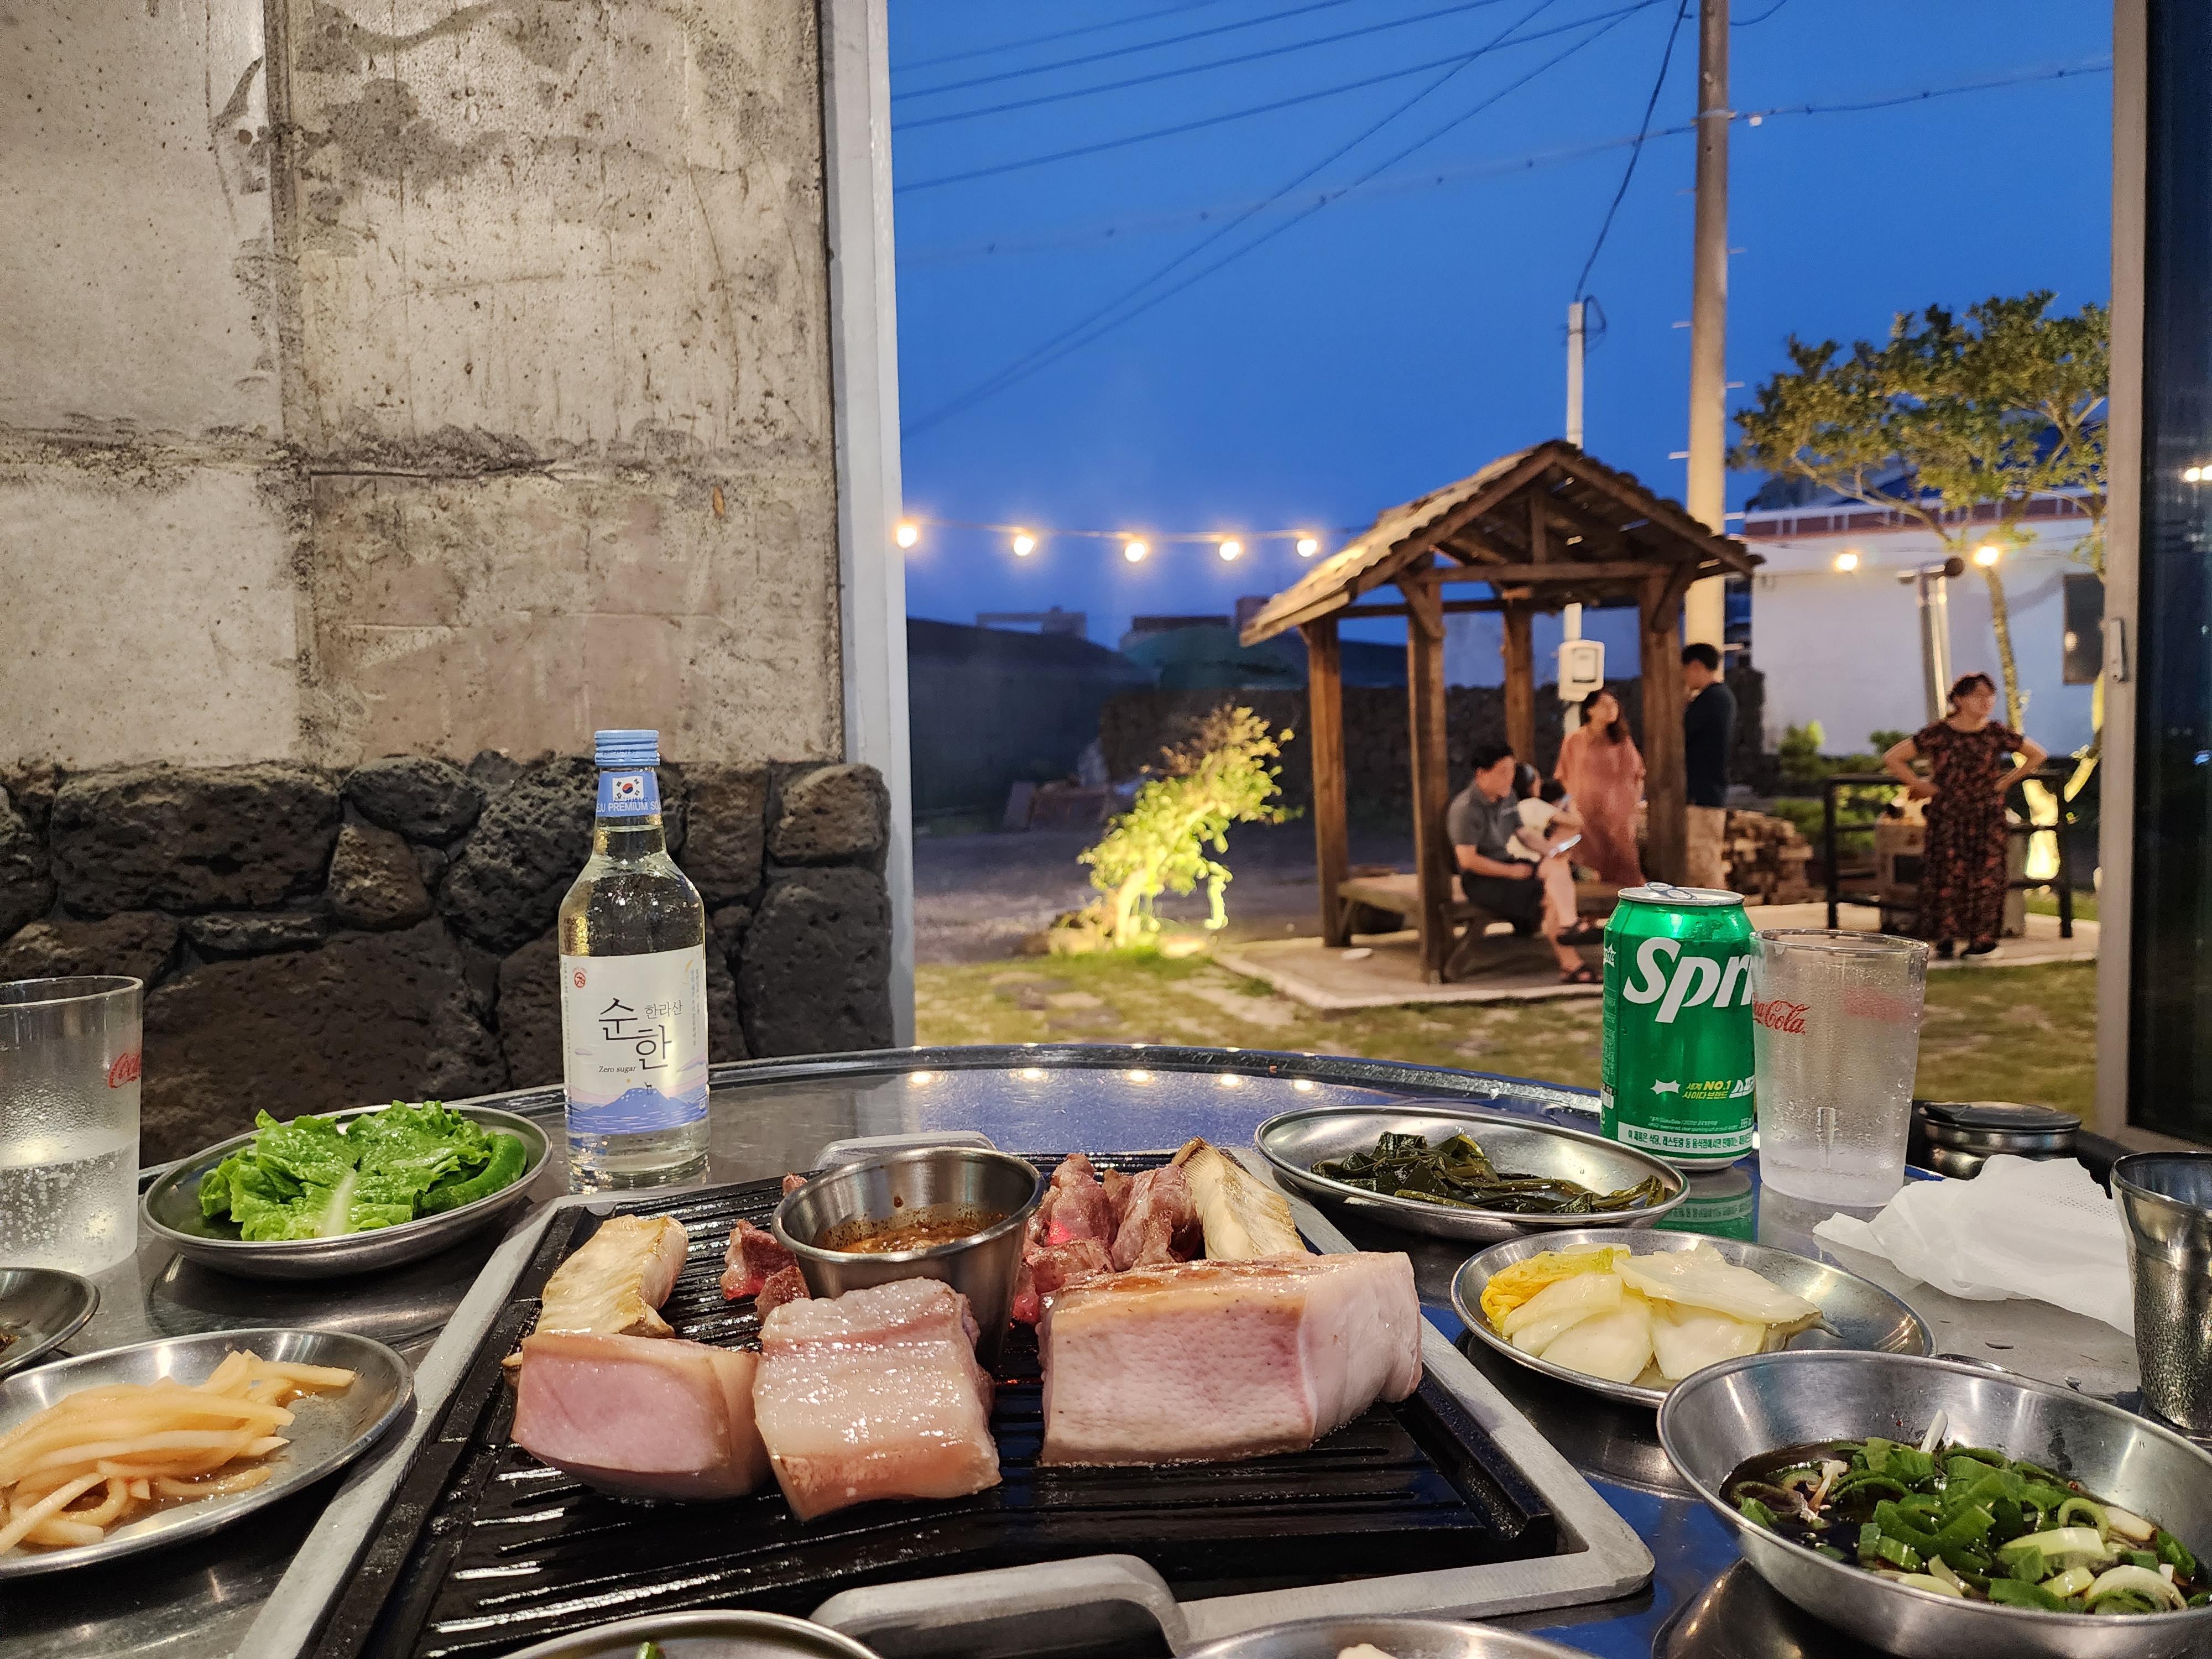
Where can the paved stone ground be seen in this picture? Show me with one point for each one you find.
(975, 897)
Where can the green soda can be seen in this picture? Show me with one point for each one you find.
(1677, 1079)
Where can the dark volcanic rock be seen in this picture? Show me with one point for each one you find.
(530, 1013)
(727, 832)
(256, 933)
(421, 797)
(505, 888)
(191, 838)
(139, 944)
(369, 1018)
(31, 788)
(725, 1029)
(813, 974)
(374, 880)
(491, 771)
(831, 815)
(430, 866)
(27, 885)
(725, 929)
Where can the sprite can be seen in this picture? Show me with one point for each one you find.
(1677, 1078)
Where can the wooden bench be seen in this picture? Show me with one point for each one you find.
(1398, 893)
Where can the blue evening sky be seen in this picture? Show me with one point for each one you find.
(1401, 336)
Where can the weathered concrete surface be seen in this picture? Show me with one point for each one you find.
(134, 276)
(150, 611)
(523, 611)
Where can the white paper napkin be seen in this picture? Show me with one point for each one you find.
(2042, 1231)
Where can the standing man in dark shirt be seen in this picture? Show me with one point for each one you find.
(1708, 730)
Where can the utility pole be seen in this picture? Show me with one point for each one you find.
(1704, 608)
(1575, 338)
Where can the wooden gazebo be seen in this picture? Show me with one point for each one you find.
(1542, 528)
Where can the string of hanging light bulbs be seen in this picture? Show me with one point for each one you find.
(1025, 540)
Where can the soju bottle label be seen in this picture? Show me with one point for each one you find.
(634, 1037)
(632, 794)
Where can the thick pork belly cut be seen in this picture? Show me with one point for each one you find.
(642, 1416)
(875, 1394)
(1206, 1361)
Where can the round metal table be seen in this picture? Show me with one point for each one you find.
(771, 1117)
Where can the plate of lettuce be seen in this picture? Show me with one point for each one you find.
(319, 1196)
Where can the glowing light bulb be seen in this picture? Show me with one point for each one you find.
(1986, 554)
(1229, 550)
(1308, 547)
(908, 533)
(1135, 550)
(1025, 543)
(1847, 562)
(2191, 474)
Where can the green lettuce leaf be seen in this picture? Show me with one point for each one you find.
(309, 1149)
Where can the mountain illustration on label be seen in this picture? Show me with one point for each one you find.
(638, 1110)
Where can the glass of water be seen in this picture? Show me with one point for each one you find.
(1835, 1041)
(70, 1060)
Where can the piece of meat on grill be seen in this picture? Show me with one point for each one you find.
(1075, 1206)
(875, 1394)
(753, 1258)
(1158, 1221)
(1050, 1266)
(1206, 1361)
(614, 1285)
(642, 1416)
(792, 1183)
(784, 1285)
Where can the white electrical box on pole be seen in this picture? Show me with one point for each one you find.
(1704, 610)
(1575, 374)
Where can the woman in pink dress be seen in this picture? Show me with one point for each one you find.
(1604, 774)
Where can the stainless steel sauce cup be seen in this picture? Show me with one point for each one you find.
(2165, 1205)
(981, 1267)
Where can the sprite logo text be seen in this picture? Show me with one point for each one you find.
(1694, 982)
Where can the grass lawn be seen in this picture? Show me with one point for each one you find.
(2026, 1034)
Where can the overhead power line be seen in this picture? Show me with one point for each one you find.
(1117, 51)
(1177, 73)
(1454, 62)
(1121, 229)
(1104, 320)
(1057, 34)
(1636, 149)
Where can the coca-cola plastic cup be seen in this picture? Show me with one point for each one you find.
(1835, 1040)
(69, 1123)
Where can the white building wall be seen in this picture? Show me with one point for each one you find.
(1844, 648)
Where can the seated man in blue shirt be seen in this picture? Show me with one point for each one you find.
(1482, 821)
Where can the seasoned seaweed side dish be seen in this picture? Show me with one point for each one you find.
(1459, 1173)
(1967, 1522)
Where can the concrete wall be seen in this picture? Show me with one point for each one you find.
(427, 379)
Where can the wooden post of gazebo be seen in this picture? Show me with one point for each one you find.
(1543, 528)
(1325, 747)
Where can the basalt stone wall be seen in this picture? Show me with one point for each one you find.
(312, 939)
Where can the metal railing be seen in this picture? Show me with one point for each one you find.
(2060, 881)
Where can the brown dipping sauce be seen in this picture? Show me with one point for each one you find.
(943, 1224)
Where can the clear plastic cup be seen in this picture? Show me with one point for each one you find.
(1835, 1041)
(69, 1060)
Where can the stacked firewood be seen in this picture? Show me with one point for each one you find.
(1766, 859)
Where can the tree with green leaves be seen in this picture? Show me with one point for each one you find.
(1950, 414)
(1222, 775)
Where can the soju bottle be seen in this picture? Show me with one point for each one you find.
(633, 989)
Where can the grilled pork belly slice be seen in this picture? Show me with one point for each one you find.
(1207, 1361)
(615, 1284)
(642, 1416)
(875, 1394)
(1046, 1267)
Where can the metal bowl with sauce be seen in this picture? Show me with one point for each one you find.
(858, 1203)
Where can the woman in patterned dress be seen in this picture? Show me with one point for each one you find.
(1963, 871)
(1604, 776)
